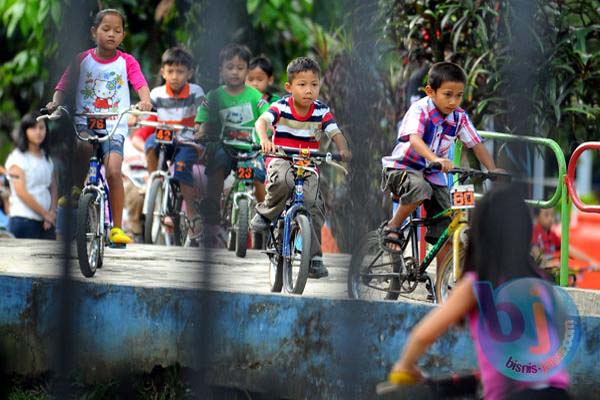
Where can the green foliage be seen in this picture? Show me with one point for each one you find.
(24, 25)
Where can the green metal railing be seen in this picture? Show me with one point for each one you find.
(560, 194)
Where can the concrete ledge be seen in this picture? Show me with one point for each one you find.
(295, 347)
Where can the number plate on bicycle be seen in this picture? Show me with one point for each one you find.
(245, 171)
(164, 135)
(462, 196)
(96, 123)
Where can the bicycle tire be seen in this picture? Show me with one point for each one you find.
(385, 288)
(444, 279)
(295, 285)
(152, 223)
(180, 228)
(275, 261)
(241, 237)
(87, 228)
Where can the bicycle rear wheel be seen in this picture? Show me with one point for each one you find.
(295, 269)
(88, 237)
(153, 231)
(370, 272)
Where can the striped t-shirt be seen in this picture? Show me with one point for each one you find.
(300, 131)
(173, 108)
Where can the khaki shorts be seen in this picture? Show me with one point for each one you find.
(411, 188)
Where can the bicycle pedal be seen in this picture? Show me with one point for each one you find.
(117, 245)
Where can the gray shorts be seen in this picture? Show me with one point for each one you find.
(412, 188)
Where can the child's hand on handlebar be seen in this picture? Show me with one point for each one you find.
(144, 105)
(52, 106)
(267, 146)
(446, 164)
(346, 155)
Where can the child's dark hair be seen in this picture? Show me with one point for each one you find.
(29, 120)
(499, 238)
(103, 13)
(232, 50)
(263, 63)
(302, 64)
(445, 72)
(177, 56)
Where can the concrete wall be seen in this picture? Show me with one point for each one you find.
(294, 347)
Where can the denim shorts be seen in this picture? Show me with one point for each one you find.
(25, 228)
(113, 145)
(184, 159)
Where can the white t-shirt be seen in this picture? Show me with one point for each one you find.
(38, 178)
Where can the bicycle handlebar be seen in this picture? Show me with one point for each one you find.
(468, 172)
(328, 158)
(63, 111)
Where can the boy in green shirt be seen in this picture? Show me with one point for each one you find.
(230, 110)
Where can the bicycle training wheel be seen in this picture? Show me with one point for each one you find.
(88, 238)
(445, 279)
(295, 269)
(371, 275)
(153, 232)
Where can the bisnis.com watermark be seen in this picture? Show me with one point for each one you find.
(528, 329)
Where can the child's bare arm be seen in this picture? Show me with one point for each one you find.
(424, 151)
(484, 156)
(262, 127)
(342, 145)
(57, 99)
(144, 104)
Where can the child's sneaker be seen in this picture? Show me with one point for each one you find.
(117, 236)
(317, 269)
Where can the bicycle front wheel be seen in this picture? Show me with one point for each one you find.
(153, 231)
(373, 271)
(241, 239)
(88, 238)
(445, 279)
(295, 269)
(180, 224)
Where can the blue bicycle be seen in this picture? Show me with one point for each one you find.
(94, 216)
(289, 236)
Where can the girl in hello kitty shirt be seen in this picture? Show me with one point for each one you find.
(102, 86)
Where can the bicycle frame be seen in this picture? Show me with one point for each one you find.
(297, 205)
(96, 183)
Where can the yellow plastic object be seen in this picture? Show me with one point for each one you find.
(117, 236)
(401, 378)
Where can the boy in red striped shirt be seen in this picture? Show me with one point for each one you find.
(297, 119)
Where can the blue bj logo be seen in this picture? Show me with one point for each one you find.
(528, 329)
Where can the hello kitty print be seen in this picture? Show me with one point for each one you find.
(103, 85)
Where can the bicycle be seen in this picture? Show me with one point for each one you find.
(163, 199)
(94, 213)
(240, 201)
(377, 272)
(289, 236)
(401, 385)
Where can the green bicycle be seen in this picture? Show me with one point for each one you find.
(377, 272)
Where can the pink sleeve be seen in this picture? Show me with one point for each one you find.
(64, 79)
(134, 72)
